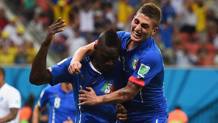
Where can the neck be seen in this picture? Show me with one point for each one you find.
(65, 88)
(131, 45)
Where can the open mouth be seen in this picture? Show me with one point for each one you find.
(137, 35)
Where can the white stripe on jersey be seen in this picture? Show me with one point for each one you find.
(156, 121)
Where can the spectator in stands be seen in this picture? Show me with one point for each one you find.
(3, 19)
(124, 13)
(6, 57)
(178, 116)
(216, 58)
(76, 42)
(21, 56)
(30, 50)
(168, 11)
(86, 13)
(10, 101)
(59, 45)
(10, 28)
(61, 9)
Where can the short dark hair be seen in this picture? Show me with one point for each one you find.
(107, 48)
(109, 38)
(151, 10)
(108, 44)
(2, 71)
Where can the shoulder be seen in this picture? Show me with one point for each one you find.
(123, 34)
(11, 89)
(152, 56)
(51, 89)
(65, 61)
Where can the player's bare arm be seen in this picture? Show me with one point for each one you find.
(36, 113)
(75, 64)
(88, 96)
(39, 73)
(12, 115)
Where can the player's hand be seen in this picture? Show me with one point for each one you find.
(88, 97)
(57, 26)
(121, 112)
(69, 120)
(74, 67)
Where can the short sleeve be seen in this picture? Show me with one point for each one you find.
(60, 72)
(43, 99)
(147, 67)
(14, 100)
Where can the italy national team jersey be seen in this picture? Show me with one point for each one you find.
(143, 65)
(61, 105)
(89, 77)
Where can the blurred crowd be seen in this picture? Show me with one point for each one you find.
(16, 47)
(188, 34)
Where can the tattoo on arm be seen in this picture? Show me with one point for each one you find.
(129, 92)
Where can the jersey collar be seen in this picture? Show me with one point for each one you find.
(146, 43)
(93, 68)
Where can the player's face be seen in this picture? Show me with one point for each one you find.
(108, 64)
(69, 86)
(105, 60)
(141, 27)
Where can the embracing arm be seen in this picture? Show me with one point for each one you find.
(124, 94)
(88, 97)
(39, 73)
(75, 64)
(12, 115)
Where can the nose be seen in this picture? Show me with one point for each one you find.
(138, 27)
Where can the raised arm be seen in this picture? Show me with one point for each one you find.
(75, 64)
(39, 73)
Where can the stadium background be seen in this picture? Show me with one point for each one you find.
(188, 38)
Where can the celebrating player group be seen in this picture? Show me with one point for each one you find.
(116, 78)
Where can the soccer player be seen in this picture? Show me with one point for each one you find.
(61, 104)
(10, 101)
(143, 69)
(97, 72)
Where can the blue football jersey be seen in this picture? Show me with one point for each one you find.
(61, 105)
(88, 77)
(143, 65)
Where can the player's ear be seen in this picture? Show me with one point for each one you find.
(154, 31)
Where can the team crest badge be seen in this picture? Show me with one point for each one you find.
(143, 69)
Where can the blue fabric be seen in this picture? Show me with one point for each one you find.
(144, 63)
(61, 105)
(101, 83)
